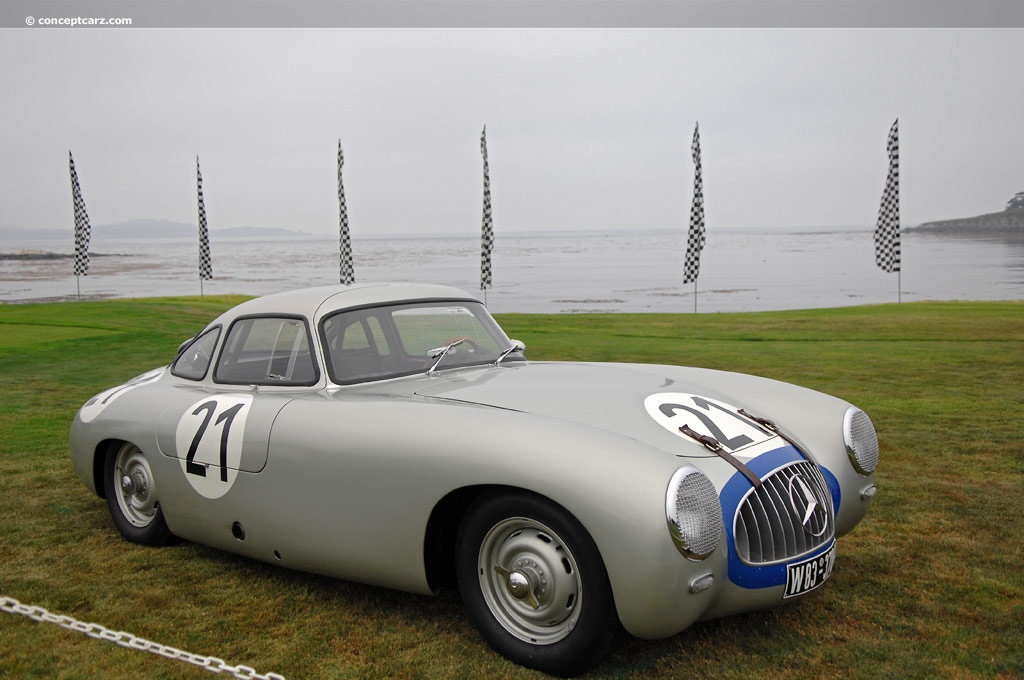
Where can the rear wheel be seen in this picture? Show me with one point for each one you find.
(132, 496)
(534, 584)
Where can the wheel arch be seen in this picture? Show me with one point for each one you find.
(447, 516)
(99, 457)
(443, 529)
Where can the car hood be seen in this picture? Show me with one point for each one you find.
(644, 402)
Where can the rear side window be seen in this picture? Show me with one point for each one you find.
(267, 351)
(194, 361)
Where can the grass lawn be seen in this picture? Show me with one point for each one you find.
(930, 585)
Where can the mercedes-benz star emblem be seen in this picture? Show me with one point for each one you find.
(812, 513)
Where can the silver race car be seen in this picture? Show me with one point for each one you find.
(392, 434)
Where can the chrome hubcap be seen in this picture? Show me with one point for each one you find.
(137, 498)
(519, 586)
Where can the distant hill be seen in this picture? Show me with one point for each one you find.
(1010, 220)
(147, 229)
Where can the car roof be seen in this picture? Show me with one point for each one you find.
(313, 303)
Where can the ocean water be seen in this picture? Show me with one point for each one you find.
(639, 271)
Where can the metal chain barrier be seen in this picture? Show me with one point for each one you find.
(95, 630)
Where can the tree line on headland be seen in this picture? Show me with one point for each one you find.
(1010, 220)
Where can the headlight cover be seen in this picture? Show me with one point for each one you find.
(861, 441)
(694, 513)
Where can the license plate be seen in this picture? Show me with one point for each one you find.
(805, 576)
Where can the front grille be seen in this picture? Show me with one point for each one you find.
(773, 523)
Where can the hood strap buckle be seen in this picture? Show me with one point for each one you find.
(715, 446)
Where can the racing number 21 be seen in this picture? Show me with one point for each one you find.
(225, 419)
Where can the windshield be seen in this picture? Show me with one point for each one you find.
(386, 342)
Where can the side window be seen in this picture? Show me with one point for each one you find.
(267, 351)
(194, 360)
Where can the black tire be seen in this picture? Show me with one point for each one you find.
(534, 584)
(132, 496)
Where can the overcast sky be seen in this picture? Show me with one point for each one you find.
(587, 129)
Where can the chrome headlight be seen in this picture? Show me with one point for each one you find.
(694, 513)
(861, 441)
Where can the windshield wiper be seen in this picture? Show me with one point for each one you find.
(517, 347)
(439, 353)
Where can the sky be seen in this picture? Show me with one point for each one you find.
(587, 128)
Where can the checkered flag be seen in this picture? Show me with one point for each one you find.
(695, 241)
(887, 233)
(487, 229)
(205, 265)
(347, 275)
(83, 232)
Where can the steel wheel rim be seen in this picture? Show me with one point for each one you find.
(135, 490)
(520, 558)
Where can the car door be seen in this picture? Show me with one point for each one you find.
(217, 423)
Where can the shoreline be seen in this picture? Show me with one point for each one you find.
(1008, 235)
(91, 297)
(760, 270)
(42, 255)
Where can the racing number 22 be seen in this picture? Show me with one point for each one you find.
(225, 418)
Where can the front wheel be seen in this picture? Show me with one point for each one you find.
(534, 584)
(132, 496)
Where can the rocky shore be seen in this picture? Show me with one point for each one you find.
(33, 255)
